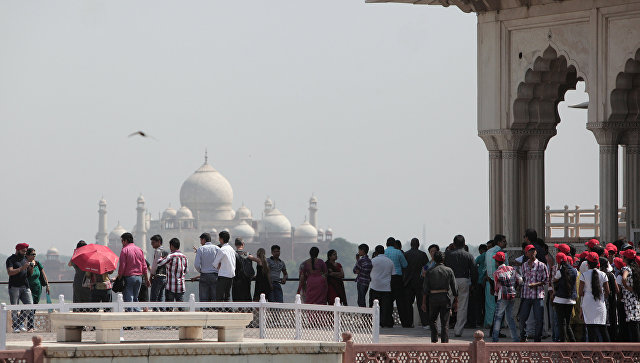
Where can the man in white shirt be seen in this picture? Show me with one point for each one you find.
(225, 261)
(205, 255)
(380, 286)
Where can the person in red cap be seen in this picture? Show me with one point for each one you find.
(506, 281)
(594, 290)
(565, 295)
(630, 293)
(535, 275)
(564, 248)
(17, 267)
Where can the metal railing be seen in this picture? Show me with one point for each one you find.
(289, 321)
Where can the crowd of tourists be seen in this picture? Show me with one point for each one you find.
(591, 296)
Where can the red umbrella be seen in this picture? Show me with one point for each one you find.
(95, 258)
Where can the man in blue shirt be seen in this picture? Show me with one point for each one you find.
(397, 286)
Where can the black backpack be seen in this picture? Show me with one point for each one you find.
(244, 266)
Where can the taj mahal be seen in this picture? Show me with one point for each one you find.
(206, 199)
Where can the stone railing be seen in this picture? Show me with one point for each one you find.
(479, 351)
(33, 355)
(575, 225)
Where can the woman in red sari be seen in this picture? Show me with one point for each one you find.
(335, 274)
(313, 281)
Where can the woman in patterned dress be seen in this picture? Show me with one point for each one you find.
(630, 293)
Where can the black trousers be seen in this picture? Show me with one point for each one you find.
(563, 314)
(397, 295)
(386, 306)
(223, 288)
(439, 304)
(597, 333)
(241, 289)
(413, 292)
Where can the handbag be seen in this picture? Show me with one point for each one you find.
(118, 285)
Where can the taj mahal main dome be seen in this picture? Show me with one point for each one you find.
(206, 205)
(208, 194)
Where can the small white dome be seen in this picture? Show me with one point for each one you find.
(102, 202)
(306, 230)
(275, 222)
(268, 204)
(329, 230)
(313, 199)
(140, 199)
(243, 230)
(53, 252)
(214, 232)
(243, 213)
(169, 213)
(184, 213)
(117, 232)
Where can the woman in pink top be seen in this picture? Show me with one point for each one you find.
(313, 281)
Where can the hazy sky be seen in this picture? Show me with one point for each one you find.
(372, 107)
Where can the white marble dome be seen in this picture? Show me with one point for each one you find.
(306, 230)
(169, 213)
(184, 213)
(53, 252)
(117, 232)
(208, 192)
(242, 230)
(243, 213)
(275, 222)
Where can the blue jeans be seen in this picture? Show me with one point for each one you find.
(207, 286)
(504, 308)
(362, 294)
(276, 292)
(131, 290)
(157, 288)
(22, 293)
(526, 305)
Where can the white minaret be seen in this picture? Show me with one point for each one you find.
(102, 236)
(313, 211)
(140, 234)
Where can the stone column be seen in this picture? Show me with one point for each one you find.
(608, 192)
(632, 176)
(511, 196)
(535, 191)
(495, 192)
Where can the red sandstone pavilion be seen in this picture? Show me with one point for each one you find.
(530, 52)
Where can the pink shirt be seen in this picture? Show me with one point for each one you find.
(132, 261)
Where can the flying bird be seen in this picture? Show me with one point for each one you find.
(143, 134)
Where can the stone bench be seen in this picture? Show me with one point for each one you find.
(230, 325)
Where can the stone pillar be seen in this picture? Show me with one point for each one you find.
(495, 192)
(511, 207)
(535, 191)
(632, 176)
(608, 192)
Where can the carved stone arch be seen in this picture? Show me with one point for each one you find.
(625, 98)
(544, 86)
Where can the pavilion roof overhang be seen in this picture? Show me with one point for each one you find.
(468, 6)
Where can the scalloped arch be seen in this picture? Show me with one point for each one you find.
(625, 98)
(545, 83)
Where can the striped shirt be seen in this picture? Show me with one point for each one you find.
(363, 269)
(176, 269)
(506, 280)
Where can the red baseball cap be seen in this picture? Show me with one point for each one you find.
(630, 254)
(569, 260)
(21, 246)
(592, 243)
(592, 257)
(529, 247)
(564, 248)
(499, 256)
(619, 263)
(560, 257)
